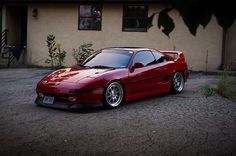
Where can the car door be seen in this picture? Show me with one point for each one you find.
(164, 68)
(141, 79)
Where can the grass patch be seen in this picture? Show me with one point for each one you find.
(224, 87)
(207, 91)
(223, 84)
(231, 94)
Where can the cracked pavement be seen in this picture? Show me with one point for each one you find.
(168, 125)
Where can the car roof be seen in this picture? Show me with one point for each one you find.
(134, 49)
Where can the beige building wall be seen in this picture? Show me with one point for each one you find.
(62, 21)
(230, 56)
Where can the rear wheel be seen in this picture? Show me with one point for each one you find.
(113, 95)
(177, 83)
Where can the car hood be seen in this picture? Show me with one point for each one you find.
(74, 74)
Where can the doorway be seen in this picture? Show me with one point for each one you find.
(14, 49)
(16, 24)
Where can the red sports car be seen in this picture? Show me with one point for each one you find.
(112, 76)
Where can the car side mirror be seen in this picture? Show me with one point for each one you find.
(137, 65)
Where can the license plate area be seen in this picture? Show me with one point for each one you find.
(48, 100)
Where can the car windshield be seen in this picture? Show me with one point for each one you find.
(109, 58)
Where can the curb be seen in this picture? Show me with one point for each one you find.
(219, 72)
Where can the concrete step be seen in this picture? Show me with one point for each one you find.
(14, 63)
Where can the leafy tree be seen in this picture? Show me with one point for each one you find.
(195, 13)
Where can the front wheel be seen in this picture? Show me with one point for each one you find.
(177, 83)
(113, 95)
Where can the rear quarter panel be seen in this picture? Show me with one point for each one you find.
(179, 62)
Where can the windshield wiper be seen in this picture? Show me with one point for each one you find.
(103, 67)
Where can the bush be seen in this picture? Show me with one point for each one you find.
(51, 49)
(56, 55)
(60, 56)
(83, 52)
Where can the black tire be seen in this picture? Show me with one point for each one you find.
(113, 95)
(177, 84)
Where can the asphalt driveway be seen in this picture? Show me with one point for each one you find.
(184, 124)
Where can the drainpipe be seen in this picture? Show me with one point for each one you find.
(223, 50)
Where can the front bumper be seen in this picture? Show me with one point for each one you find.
(61, 105)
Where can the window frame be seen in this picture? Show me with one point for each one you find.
(134, 29)
(79, 17)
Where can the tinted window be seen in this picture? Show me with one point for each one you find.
(144, 57)
(135, 18)
(110, 58)
(90, 17)
(159, 57)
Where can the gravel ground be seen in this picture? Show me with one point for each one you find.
(184, 124)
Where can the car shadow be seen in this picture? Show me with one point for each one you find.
(79, 110)
(97, 109)
(146, 99)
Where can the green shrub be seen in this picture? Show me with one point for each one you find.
(83, 52)
(60, 56)
(51, 49)
(56, 55)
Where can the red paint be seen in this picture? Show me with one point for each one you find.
(88, 84)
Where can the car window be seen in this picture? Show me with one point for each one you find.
(144, 57)
(159, 57)
(110, 58)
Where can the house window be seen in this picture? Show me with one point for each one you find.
(135, 18)
(90, 17)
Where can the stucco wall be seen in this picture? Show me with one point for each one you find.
(62, 21)
(230, 58)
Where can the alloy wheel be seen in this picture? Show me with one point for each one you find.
(114, 94)
(178, 82)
